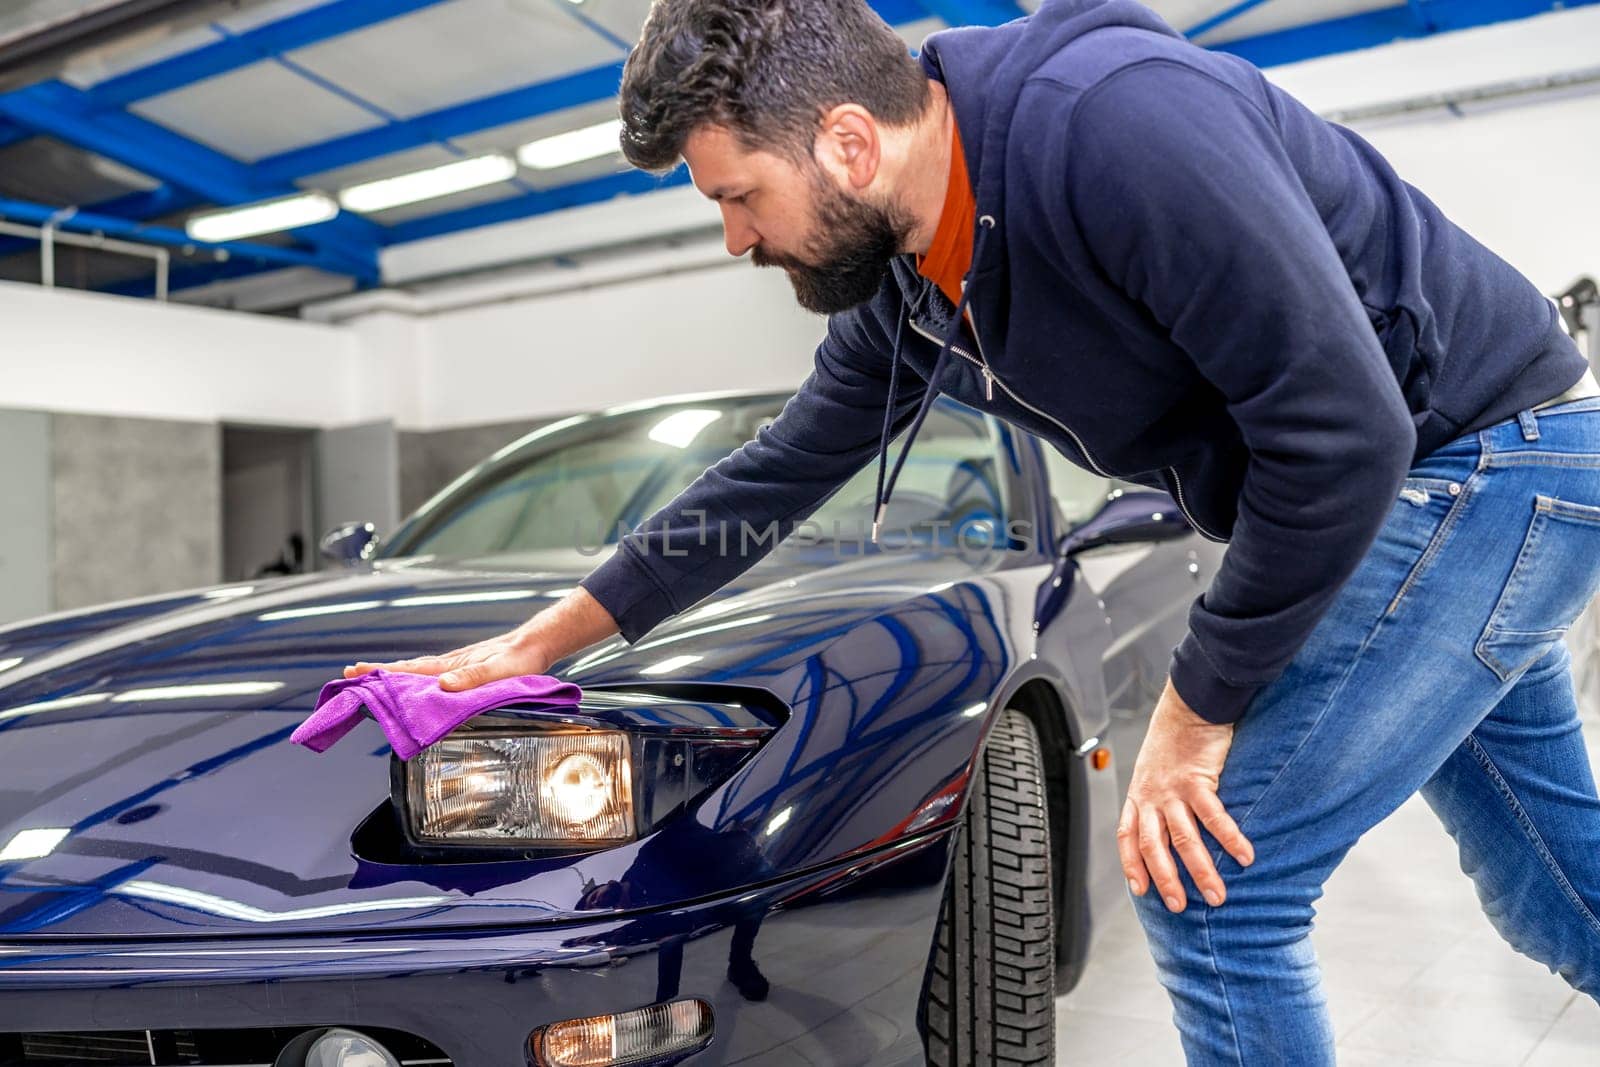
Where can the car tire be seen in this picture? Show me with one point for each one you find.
(991, 983)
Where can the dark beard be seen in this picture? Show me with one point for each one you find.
(854, 244)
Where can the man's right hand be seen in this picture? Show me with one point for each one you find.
(575, 622)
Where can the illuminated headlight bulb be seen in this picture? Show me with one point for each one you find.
(346, 1048)
(541, 787)
(576, 788)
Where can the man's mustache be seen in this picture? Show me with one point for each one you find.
(762, 258)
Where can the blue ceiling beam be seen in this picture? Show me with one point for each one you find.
(332, 19)
(1222, 17)
(628, 182)
(1373, 28)
(973, 12)
(85, 222)
(62, 112)
(515, 105)
(1419, 12)
(132, 206)
(11, 133)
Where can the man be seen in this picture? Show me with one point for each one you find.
(1176, 274)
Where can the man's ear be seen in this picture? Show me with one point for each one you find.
(848, 145)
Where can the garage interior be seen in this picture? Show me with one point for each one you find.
(184, 408)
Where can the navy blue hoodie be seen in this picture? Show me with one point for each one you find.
(1183, 278)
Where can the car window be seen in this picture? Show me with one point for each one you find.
(1079, 493)
(616, 471)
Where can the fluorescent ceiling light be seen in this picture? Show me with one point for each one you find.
(269, 216)
(9, 662)
(574, 146)
(32, 844)
(428, 184)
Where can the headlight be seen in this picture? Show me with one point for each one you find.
(543, 788)
(598, 777)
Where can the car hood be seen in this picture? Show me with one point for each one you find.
(150, 789)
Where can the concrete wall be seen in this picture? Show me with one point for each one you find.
(25, 503)
(136, 507)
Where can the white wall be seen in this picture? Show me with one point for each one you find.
(71, 351)
(728, 327)
(1519, 174)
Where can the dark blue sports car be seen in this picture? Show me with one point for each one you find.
(859, 807)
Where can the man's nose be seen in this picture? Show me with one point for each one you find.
(736, 233)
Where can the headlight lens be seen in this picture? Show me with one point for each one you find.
(541, 788)
(346, 1048)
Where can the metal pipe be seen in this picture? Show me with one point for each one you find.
(47, 257)
(49, 236)
(1455, 97)
(38, 215)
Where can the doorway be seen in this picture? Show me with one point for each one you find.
(267, 510)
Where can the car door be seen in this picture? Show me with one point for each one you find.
(1145, 590)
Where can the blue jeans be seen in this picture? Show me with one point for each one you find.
(1440, 666)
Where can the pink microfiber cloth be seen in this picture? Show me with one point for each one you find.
(413, 711)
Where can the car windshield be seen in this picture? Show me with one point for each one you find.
(588, 483)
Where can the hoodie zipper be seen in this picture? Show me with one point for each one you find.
(989, 381)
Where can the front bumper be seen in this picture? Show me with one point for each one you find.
(842, 951)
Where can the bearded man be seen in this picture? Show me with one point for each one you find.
(1150, 256)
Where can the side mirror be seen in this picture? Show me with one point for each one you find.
(1129, 518)
(349, 543)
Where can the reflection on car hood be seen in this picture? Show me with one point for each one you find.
(149, 749)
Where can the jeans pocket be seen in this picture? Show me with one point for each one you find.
(1554, 577)
(1419, 523)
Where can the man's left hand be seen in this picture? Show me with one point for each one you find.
(1174, 782)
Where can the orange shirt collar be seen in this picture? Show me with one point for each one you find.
(951, 252)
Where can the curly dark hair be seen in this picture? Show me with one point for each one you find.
(767, 70)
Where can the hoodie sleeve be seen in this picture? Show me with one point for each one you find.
(736, 511)
(1182, 190)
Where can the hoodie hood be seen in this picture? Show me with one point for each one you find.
(984, 68)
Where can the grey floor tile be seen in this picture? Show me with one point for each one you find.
(1489, 1040)
(1092, 1037)
(1573, 1040)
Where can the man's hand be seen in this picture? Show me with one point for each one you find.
(575, 622)
(1175, 781)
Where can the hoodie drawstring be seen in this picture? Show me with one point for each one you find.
(888, 419)
(986, 223)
